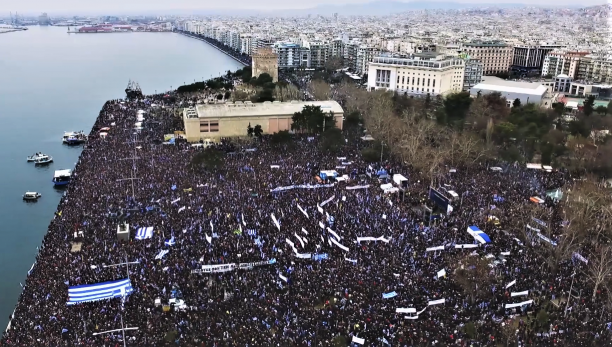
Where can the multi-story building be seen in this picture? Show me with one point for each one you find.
(246, 44)
(319, 53)
(495, 56)
(265, 61)
(288, 54)
(419, 74)
(350, 54)
(595, 68)
(365, 54)
(473, 73)
(562, 63)
(528, 60)
(43, 19)
(337, 48)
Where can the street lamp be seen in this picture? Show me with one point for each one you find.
(123, 329)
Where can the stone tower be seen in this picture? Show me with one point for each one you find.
(265, 61)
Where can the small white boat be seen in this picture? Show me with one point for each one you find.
(35, 156)
(31, 196)
(74, 138)
(42, 160)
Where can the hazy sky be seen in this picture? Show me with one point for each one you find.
(125, 6)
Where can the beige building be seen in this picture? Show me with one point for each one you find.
(420, 74)
(562, 63)
(265, 61)
(213, 121)
(496, 57)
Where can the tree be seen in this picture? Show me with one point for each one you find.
(250, 130)
(227, 95)
(210, 158)
(588, 105)
(370, 155)
(516, 102)
(257, 131)
(219, 96)
(333, 64)
(319, 90)
(281, 137)
(601, 110)
(474, 277)
(239, 95)
(599, 267)
(312, 119)
(456, 107)
(559, 108)
(610, 107)
(331, 140)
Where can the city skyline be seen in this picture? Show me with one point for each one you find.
(121, 7)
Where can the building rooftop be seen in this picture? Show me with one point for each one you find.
(247, 109)
(485, 44)
(500, 85)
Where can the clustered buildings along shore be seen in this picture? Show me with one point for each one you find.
(564, 49)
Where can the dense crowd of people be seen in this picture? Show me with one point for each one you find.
(318, 285)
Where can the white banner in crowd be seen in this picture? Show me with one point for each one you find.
(175, 201)
(304, 231)
(581, 258)
(433, 249)
(218, 268)
(181, 209)
(405, 310)
(466, 246)
(358, 340)
(370, 238)
(442, 273)
(282, 277)
(327, 201)
(301, 209)
(208, 238)
(523, 293)
(243, 221)
(505, 253)
(436, 302)
(303, 256)
(299, 239)
(321, 225)
(319, 209)
(354, 261)
(212, 227)
(519, 304)
(358, 187)
(333, 233)
(302, 186)
(275, 221)
(342, 247)
(510, 284)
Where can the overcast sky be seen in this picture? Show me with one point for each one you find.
(130, 6)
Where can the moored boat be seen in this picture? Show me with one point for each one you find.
(42, 160)
(74, 138)
(31, 196)
(35, 156)
(62, 177)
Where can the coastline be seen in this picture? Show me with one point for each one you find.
(217, 48)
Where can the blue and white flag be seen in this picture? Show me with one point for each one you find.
(251, 232)
(144, 233)
(170, 242)
(99, 291)
(389, 295)
(162, 253)
(275, 221)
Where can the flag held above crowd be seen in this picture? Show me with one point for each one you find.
(478, 234)
(99, 291)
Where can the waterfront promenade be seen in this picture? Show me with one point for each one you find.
(242, 59)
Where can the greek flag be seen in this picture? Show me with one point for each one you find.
(162, 253)
(170, 242)
(389, 295)
(99, 291)
(251, 232)
(144, 233)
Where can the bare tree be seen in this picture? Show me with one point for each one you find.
(320, 90)
(599, 268)
(474, 277)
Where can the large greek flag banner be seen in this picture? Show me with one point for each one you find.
(99, 291)
(144, 233)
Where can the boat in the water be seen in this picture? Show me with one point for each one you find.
(74, 138)
(62, 177)
(42, 160)
(31, 196)
(35, 156)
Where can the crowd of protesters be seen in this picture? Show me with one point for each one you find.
(224, 215)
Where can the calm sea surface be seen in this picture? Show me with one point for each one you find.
(51, 82)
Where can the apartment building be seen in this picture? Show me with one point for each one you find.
(529, 60)
(562, 63)
(319, 53)
(418, 74)
(365, 54)
(495, 56)
(337, 48)
(595, 68)
(288, 54)
(246, 44)
(473, 73)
